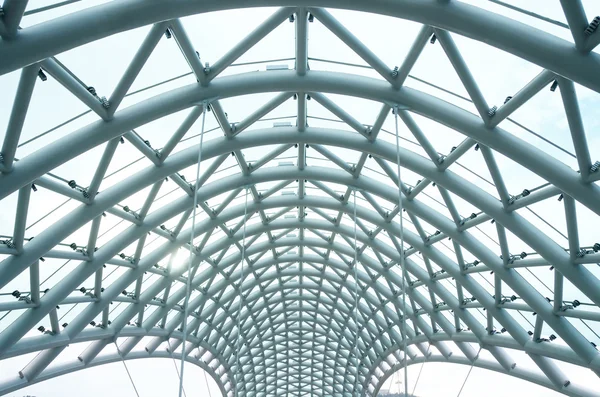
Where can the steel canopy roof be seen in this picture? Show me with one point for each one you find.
(296, 283)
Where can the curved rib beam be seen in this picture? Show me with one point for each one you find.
(50, 38)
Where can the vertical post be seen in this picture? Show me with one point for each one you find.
(301, 41)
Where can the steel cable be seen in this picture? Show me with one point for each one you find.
(189, 267)
(402, 264)
(238, 369)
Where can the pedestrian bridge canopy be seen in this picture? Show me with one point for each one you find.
(301, 197)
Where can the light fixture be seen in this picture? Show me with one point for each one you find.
(508, 98)
(554, 85)
(42, 75)
(33, 187)
(433, 39)
(72, 184)
(591, 28)
(104, 102)
(281, 66)
(168, 33)
(311, 17)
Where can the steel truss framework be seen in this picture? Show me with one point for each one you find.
(297, 326)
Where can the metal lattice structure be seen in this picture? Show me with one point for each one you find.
(307, 326)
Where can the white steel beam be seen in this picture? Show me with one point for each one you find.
(249, 41)
(187, 49)
(575, 14)
(461, 68)
(571, 105)
(105, 160)
(13, 12)
(545, 50)
(75, 86)
(136, 64)
(301, 41)
(21, 218)
(17, 117)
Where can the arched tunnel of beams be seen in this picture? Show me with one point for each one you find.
(265, 315)
(361, 183)
(324, 225)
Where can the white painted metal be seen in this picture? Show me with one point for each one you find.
(301, 318)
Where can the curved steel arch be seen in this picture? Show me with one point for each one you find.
(74, 366)
(315, 243)
(53, 37)
(506, 325)
(213, 324)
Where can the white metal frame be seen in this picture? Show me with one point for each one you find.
(272, 304)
